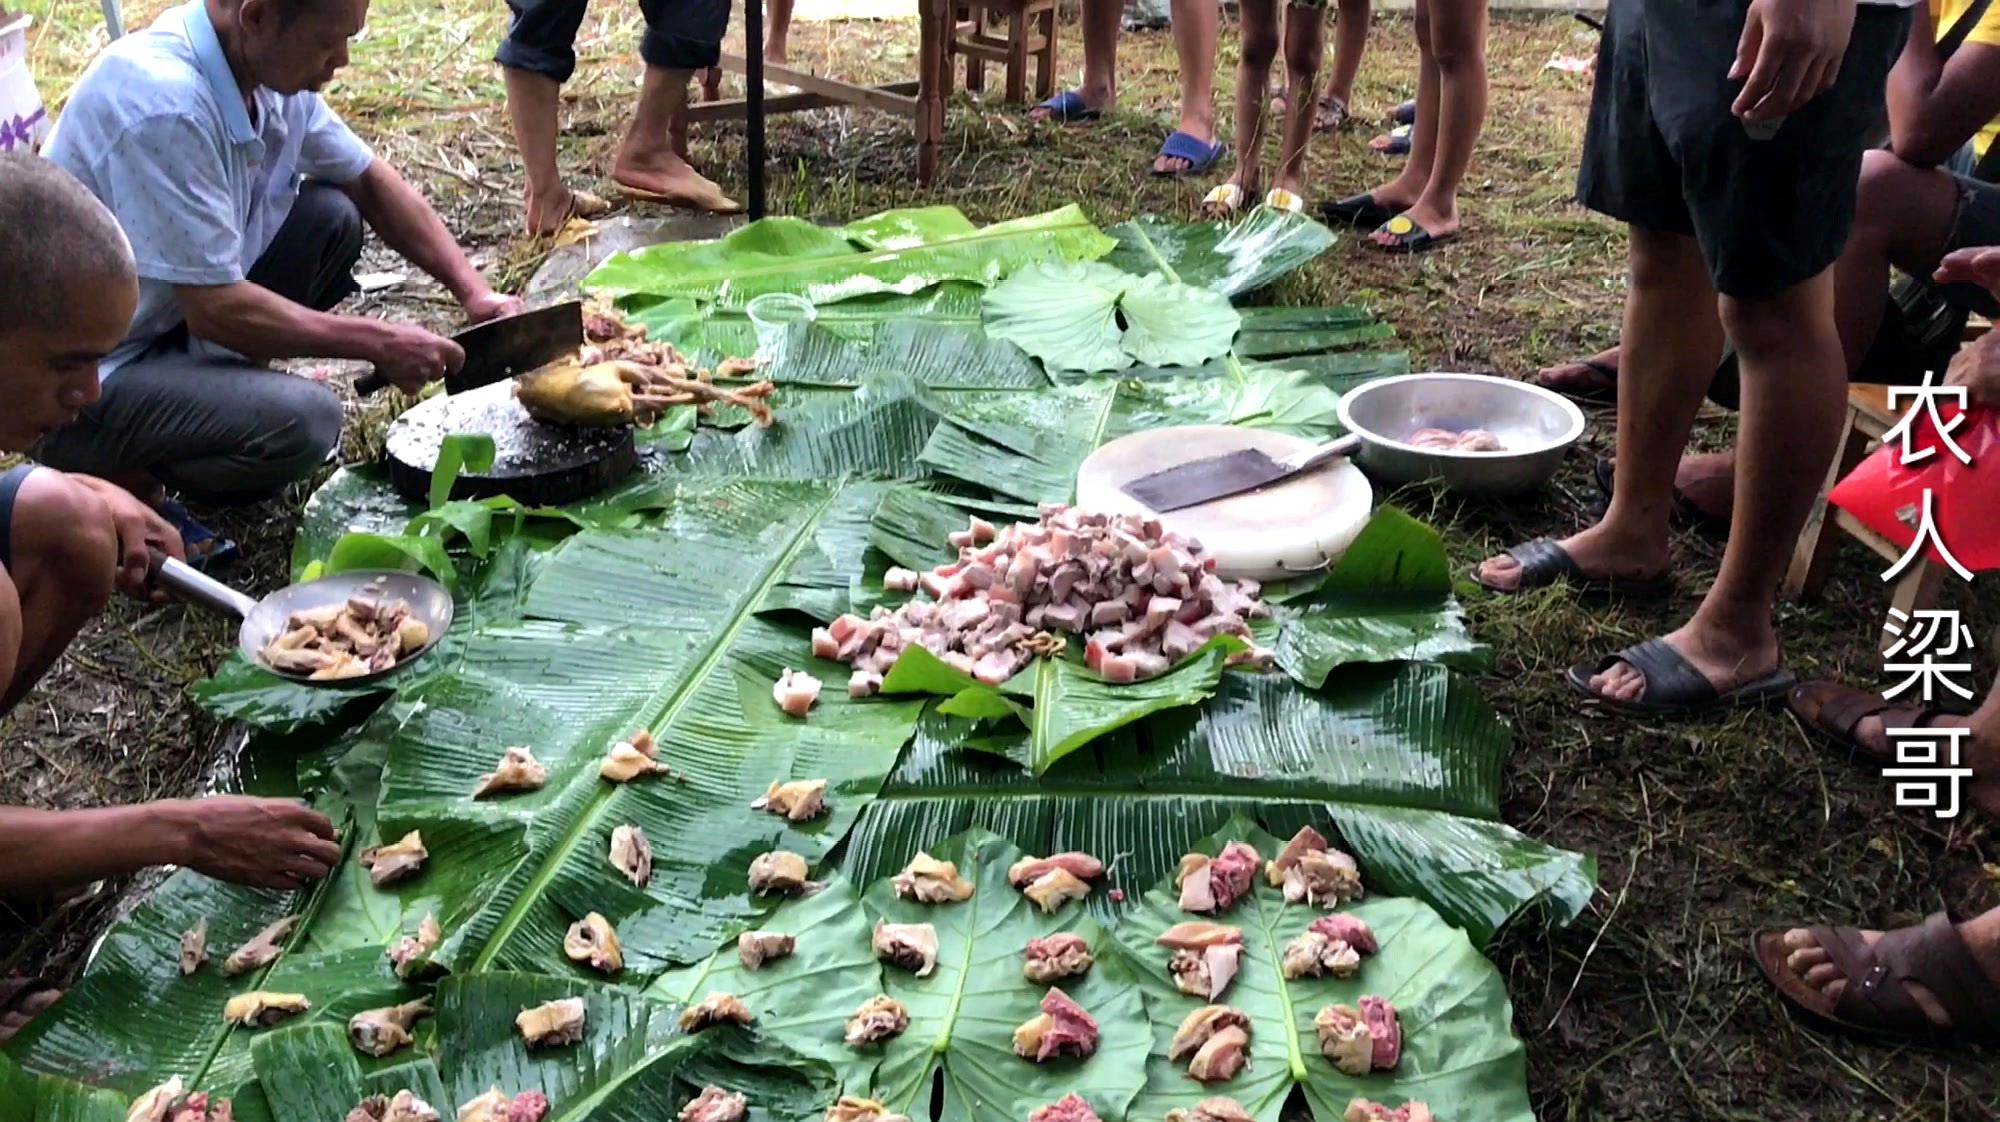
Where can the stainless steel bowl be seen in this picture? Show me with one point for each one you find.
(1535, 427)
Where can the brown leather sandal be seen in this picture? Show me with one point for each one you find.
(1876, 1001)
(1835, 711)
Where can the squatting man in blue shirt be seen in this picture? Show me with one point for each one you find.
(243, 196)
(66, 540)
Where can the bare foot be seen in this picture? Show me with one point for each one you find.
(1432, 222)
(1100, 98)
(1811, 964)
(1708, 481)
(547, 215)
(1579, 376)
(1202, 129)
(666, 178)
(1597, 552)
(1728, 660)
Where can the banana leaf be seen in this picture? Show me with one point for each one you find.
(937, 356)
(1404, 758)
(1231, 260)
(1459, 1052)
(30, 1098)
(805, 998)
(962, 1016)
(634, 1063)
(830, 265)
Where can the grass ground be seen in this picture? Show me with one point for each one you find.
(1649, 1006)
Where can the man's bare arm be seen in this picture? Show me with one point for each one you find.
(407, 224)
(269, 843)
(259, 324)
(1937, 104)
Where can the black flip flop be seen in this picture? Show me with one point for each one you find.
(1356, 210)
(1593, 395)
(1408, 237)
(1674, 688)
(1685, 512)
(1544, 563)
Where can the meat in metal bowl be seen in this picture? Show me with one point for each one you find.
(1535, 428)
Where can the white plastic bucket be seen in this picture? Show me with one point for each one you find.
(23, 120)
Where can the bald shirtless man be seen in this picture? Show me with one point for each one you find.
(66, 541)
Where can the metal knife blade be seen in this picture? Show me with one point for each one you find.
(516, 344)
(1232, 473)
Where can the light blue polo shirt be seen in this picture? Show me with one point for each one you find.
(157, 129)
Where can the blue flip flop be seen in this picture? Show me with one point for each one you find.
(1068, 107)
(193, 534)
(1200, 156)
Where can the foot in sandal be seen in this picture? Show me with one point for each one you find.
(1418, 228)
(1592, 380)
(1596, 559)
(1857, 723)
(1937, 981)
(547, 215)
(666, 178)
(1699, 668)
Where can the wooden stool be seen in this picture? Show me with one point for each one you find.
(1868, 418)
(975, 34)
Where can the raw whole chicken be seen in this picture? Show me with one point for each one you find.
(1143, 599)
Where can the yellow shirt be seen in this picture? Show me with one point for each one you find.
(1944, 15)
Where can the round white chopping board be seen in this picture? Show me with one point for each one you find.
(1295, 527)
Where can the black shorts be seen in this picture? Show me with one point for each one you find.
(680, 35)
(1664, 152)
(10, 489)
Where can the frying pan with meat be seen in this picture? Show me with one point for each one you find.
(264, 620)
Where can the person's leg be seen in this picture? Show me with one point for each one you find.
(1402, 192)
(1903, 215)
(311, 259)
(1669, 355)
(1350, 39)
(1257, 50)
(682, 36)
(1196, 25)
(1448, 124)
(1305, 46)
(537, 57)
(777, 31)
(59, 557)
(218, 431)
(1099, 88)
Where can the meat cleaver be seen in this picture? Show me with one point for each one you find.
(501, 348)
(1232, 473)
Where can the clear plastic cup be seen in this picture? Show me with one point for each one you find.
(772, 316)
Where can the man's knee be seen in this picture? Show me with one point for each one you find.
(64, 545)
(1259, 46)
(331, 210)
(1777, 324)
(303, 445)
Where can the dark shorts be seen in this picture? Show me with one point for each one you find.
(10, 489)
(680, 35)
(1663, 151)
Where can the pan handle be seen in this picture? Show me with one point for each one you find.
(198, 588)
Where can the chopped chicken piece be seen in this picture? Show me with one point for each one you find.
(928, 880)
(912, 946)
(1218, 1060)
(780, 872)
(715, 1009)
(1196, 1028)
(878, 1019)
(1198, 936)
(387, 864)
(1205, 959)
(1061, 955)
(403, 1107)
(1216, 884)
(797, 801)
(1028, 870)
(1344, 1038)
(1386, 1030)
(346, 640)
(1349, 929)
(714, 1105)
(1305, 841)
(795, 692)
(632, 854)
(1362, 1110)
(1055, 888)
(1070, 1108)
(262, 950)
(496, 1106)
(628, 761)
(173, 1102)
(194, 947)
(518, 770)
(1312, 954)
(755, 948)
(1063, 1029)
(378, 1032)
(262, 1010)
(852, 1109)
(1219, 1109)
(553, 1024)
(593, 942)
(411, 949)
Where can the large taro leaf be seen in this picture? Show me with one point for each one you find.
(829, 265)
(1090, 317)
(804, 999)
(1230, 260)
(1459, 1052)
(962, 1016)
(657, 628)
(710, 330)
(1404, 758)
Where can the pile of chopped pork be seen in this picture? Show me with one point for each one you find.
(346, 640)
(1145, 598)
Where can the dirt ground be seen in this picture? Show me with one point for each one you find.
(1648, 1007)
